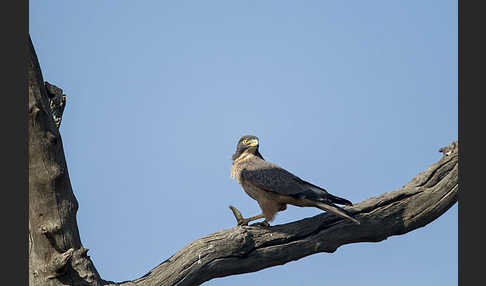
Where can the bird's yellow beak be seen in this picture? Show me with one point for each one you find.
(253, 143)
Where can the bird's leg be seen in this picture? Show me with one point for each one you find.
(254, 218)
(239, 217)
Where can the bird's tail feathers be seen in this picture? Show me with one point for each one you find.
(322, 193)
(337, 200)
(336, 210)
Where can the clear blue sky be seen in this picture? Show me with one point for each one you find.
(354, 96)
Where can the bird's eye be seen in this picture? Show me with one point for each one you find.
(246, 141)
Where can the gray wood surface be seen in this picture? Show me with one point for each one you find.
(57, 257)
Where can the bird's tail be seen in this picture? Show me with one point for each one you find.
(336, 210)
(322, 193)
(337, 200)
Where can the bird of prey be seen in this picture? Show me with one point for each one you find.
(274, 187)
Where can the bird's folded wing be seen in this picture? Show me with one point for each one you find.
(274, 179)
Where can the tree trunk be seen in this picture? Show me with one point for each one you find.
(57, 257)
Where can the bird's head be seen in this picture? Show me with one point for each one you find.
(247, 144)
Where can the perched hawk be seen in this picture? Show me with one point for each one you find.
(273, 187)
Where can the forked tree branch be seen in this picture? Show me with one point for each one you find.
(57, 257)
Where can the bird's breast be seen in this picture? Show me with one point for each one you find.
(254, 193)
(236, 172)
(238, 166)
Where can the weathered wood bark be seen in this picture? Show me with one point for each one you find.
(57, 257)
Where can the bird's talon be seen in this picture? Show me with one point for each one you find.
(263, 223)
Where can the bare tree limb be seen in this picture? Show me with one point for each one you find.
(57, 257)
(249, 248)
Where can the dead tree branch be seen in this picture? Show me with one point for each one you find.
(247, 249)
(57, 257)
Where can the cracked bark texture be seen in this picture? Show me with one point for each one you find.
(57, 257)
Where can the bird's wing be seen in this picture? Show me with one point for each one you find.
(273, 178)
(270, 177)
